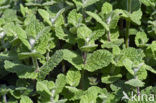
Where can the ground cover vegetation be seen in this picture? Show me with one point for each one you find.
(77, 51)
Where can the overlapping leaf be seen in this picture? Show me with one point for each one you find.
(98, 60)
(21, 70)
(73, 77)
(51, 64)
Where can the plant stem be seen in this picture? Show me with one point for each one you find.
(128, 24)
(83, 72)
(108, 31)
(138, 91)
(5, 99)
(83, 13)
(127, 33)
(109, 38)
(52, 96)
(35, 63)
(63, 67)
(84, 57)
(47, 56)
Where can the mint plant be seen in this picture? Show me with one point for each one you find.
(77, 51)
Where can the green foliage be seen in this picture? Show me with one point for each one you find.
(44, 86)
(136, 16)
(25, 72)
(60, 83)
(98, 60)
(17, 31)
(135, 83)
(106, 8)
(128, 65)
(73, 58)
(98, 19)
(77, 51)
(74, 18)
(90, 95)
(49, 66)
(25, 99)
(141, 39)
(73, 77)
(45, 15)
(110, 79)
